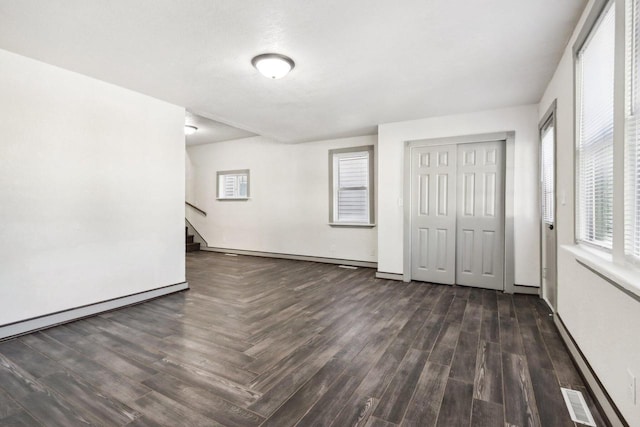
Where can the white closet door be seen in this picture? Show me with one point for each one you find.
(433, 213)
(480, 215)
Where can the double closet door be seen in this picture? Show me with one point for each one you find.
(457, 214)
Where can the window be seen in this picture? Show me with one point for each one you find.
(351, 186)
(547, 173)
(632, 133)
(233, 185)
(594, 179)
(608, 140)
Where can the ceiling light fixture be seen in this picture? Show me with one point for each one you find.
(190, 130)
(273, 65)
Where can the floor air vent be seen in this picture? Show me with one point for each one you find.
(349, 267)
(577, 407)
(227, 254)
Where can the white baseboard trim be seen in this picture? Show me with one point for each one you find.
(603, 400)
(518, 289)
(524, 289)
(22, 327)
(389, 276)
(546, 301)
(367, 264)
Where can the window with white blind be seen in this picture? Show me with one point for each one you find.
(547, 174)
(632, 132)
(351, 186)
(233, 185)
(594, 151)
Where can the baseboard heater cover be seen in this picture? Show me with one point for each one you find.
(232, 252)
(601, 397)
(526, 289)
(34, 324)
(389, 276)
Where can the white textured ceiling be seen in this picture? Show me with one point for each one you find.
(358, 62)
(211, 131)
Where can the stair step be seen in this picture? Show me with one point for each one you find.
(192, 247)
(190, 238)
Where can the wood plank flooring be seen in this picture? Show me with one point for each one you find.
(267, 342)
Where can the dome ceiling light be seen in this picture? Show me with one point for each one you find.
(273, 65)
(190, 130)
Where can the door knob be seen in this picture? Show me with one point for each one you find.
(550, 226)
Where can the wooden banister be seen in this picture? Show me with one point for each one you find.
(196, 208)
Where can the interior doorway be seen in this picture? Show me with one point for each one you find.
(548, 240)
(456, 212)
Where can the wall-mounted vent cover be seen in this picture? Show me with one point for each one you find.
(577, 407)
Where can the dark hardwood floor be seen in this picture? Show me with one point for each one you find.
(260, 341)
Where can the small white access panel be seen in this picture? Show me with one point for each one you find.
(480, 215)
(433, 213)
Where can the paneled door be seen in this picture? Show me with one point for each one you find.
(433, 213)
(480, 215)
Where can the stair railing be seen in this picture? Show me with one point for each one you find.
(196, 208)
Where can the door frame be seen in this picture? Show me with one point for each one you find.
(549, 116)
(508, 171)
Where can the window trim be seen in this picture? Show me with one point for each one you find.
(630, 30)
(591, 22)
(332, 220)
(220, 174)
(617, 251)
(624, 277)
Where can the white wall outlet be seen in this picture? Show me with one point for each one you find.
(632, 391)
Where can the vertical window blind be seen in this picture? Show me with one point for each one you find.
(632, 137)
(594, 178)
(351, 201)
(547, 175)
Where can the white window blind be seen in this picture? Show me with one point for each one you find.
(233, 185)
(547, 175)
(351, 187)
(595, 139)
(632, 137)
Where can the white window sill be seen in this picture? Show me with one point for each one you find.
(624, 276)
(232, 198)
(351, 224)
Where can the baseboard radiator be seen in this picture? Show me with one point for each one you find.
(22, 327)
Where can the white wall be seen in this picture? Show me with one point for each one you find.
(288, 211)
(91, 190)
(391, 138)
(190, 194)
(604, 322)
